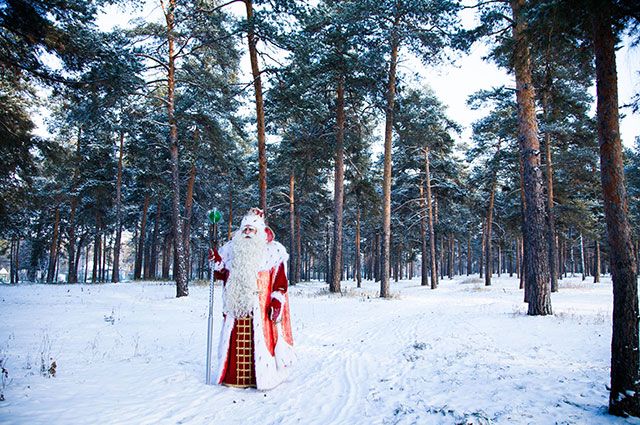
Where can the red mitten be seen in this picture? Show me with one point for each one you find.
(274, 309)
(214, 256)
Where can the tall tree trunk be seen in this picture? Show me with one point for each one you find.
(188, 213)
(230, 221)
(499, 258)
(338, 192)
(327, 267)
(536, 252)
(522, 245)
(86, 263)
(624, 398)
(450, 254)
(72, 273)
(489, 246)
(424, 278)
(483, 247)
(153, 266)
(180, 276)
(376, 257)
(103, 261)
(596, 263)
(430, 221)
(298, 248)
(115, 276)
(166, 256)
(137, 269)
(358, 274)
(551, 221)
(386, 180)
(551, 225)
(469, 259)
(53, 251)
(15, 263)
(582, 260)
(79, 252)
(292, 226)
(257, 86)
(12, 262)
(97, 250)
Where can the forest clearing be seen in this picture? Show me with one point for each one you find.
(152, 145)
(133, 353)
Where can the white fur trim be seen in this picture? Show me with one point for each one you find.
(277, 295)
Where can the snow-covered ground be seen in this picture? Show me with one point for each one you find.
(132, 353)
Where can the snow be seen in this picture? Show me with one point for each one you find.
(131, 353)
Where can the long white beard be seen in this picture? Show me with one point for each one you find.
(241, 290)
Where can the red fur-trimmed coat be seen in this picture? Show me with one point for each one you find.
(273, 342)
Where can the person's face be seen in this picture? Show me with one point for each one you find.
(249, 231)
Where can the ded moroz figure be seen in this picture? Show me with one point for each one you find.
(256, 346)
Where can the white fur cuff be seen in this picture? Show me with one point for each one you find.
(278, 296)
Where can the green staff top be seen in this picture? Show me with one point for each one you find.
(214, 216)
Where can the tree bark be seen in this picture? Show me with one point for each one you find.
(582, 261)
(489, 246)
(17, 261)
(153, 264)
(483, 248)
(115, 275)
(596, 264)
(53, 251)
(386, 180)
(230, 221)
(137, 269)
(536, 252)
(624, 398)
(257, 86)
(338, 192)
(97, 250)
(430, 221)
(424, 278)
(180, 276)
(188, 213)
(469, 259)
(551, 221)
(358, 274)
(298, 248)
(292, 226)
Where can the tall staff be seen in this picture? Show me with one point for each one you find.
(214, 217)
